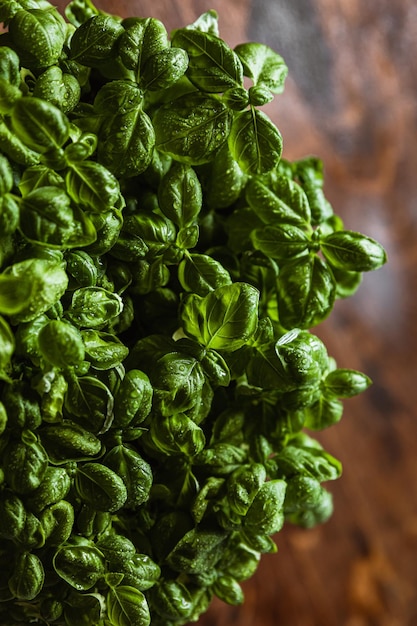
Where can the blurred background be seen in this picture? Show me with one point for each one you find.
(351, 98)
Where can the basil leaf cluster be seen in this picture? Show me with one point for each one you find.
(161, 269)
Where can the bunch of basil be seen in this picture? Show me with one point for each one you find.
(160, 269)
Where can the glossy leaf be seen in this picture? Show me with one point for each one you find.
(100, 487)
(126, 143)
(134, 471)
(25, 463)
(143, 38)
(213, 67)
(94, 41)
(266, 511)
(28, 576)
(67, 441)
(282, 201)
(324, 412)
(163, 69)
(103, 350)
(280, 242)
(263, 65)
(133, 401)
(346, 383)
(351, 251)
(201, 274)
(94, 307)
(93, 186)
(59, 88)
(306, 292)
(177, 435)
(7, 343)
(171, 600)
(127, 606)
(192, 128)
(81, 566)
(38, 35)
(180, 195)
(47, 218)
(225, 319)
(40, 125)
(255, 142)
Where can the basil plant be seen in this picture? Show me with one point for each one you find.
(161, 269)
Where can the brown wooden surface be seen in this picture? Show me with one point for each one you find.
(352, 99)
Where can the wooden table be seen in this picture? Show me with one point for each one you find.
(351, 99)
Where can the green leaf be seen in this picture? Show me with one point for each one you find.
(93, 186)
(180, 195)
(279, 200)
(263, 65)
(303, 493)
(216, 369)
(103, 350)
(225, 319)
(306, 292)
(126, 143)
(228, 589)
(41, 126)
(28, 576)
(38, 36)
(240, 224)
(213, 67)
(255, 142)
(57, 521)
(9, 94)
(54, 487)
(67, 441)
(309, 172)
(25, 463)
(207, 22)
(135, 472)
(90, 403)
(7, 343)
(100, 487)
(48, 218)
(81, 566)
(280, 242)
(133, 400)
(61, 344)
(306, 457)
(82, 610)
(39, 176)
(127, 606)
(351, 251)
(177, 434)
(31, 287)
(265, 514)
(59, 88)
(192, 128)
(164, 69)
(323, 413)
(196, 551)
(346, 383)
(143, 38)
(201, 274)
(93, 42)
(9, 65)
(94, 307)
(171, 600)
(243, 485)
(222, 180)
(138, 570)
(347, 283)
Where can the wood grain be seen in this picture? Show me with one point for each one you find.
(351, 99)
